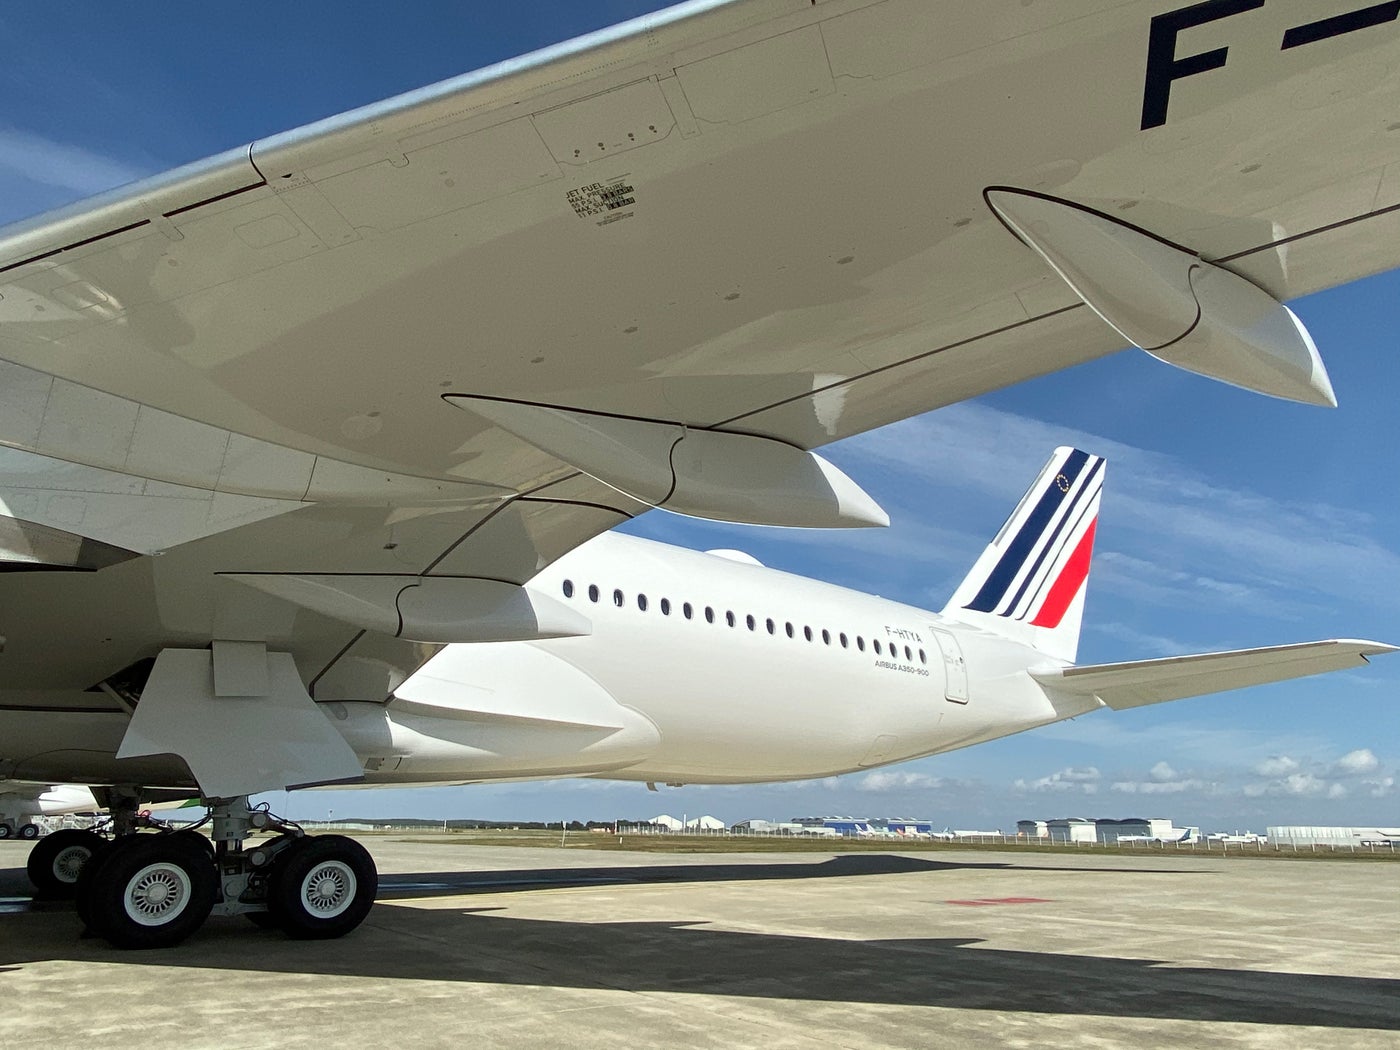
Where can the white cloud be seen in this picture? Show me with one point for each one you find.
(1142, 642)
(1381, 787)
(1276, 557)
(1296, 785)
(896, 780)
(1155, 787)
(1162, 779)
(1276, 766)
(36, 158)
(1084, 780)
(1362, 760)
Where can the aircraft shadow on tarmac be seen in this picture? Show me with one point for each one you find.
(597, 952)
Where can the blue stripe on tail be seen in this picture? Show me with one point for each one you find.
(1067, 519)
(1018, 550)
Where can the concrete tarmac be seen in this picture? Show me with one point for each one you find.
(518, 947)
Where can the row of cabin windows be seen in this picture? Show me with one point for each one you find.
(688, 611)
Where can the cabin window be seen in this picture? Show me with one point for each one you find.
(908, 653)
(618, 599)
(665, 606)
(923, 659)
(709, 615)
(729, 617)
(876, 644)
(788, 627)
(751, 621)
(772, 627)
(826, 636)
(687, 611)
(807, 633)
(845, 642)
(642, 602)
(860, 642)
(568, 588)
(592, 592)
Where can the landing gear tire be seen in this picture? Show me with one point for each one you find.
(196, 839)
(322, 887)
(152, 891)
(56, 862)
(87, 878)
(6, 831)
(29, 831)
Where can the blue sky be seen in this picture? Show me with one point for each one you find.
(1229, 520)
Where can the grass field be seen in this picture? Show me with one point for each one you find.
(675, 843)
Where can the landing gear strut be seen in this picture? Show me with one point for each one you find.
(154, 890)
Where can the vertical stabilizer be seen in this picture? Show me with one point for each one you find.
(1029, 583)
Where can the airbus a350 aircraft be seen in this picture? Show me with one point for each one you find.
(311, 449)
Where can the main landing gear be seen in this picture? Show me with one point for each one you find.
(152, 889)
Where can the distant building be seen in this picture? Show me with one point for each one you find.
(1138, 829)
(1071, 829)
(1106, 830)
(1312, 835)
(758, 826)
(867, 826)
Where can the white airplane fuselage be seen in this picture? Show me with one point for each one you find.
(711, 670)
(654, 694)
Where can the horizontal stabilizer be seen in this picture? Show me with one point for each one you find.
(1143, 682)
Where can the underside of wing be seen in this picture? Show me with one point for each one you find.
(1143, 682)
(762, 218)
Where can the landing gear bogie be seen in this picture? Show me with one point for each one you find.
(152, 890)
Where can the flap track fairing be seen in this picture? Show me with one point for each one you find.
(1170, 302)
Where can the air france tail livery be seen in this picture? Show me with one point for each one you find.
(310, 451)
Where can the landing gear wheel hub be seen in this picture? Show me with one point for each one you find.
(68, 864)
(328, 889)
(157, 894)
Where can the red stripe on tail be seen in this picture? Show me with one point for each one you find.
(1071, 579)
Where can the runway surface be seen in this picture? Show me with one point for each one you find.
(518, 947)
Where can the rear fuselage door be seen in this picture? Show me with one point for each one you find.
(954, 666)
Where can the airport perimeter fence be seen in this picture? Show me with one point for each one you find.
(1260, 845)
